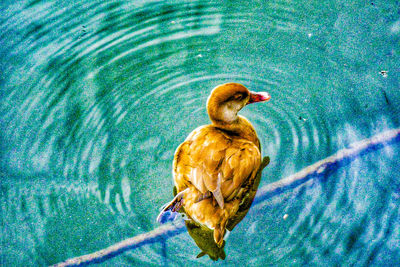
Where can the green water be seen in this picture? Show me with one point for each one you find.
(96, 95)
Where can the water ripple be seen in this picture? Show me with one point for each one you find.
(97, 95)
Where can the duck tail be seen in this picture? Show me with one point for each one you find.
(219, 233)
(170, 210)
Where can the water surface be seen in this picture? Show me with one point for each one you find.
(95, 97)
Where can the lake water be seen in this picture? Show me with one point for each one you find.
(96, 95)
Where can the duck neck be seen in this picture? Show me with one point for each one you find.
(240, 127)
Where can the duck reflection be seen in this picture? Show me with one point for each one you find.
(217, 170)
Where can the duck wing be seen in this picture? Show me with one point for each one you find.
(214, 161)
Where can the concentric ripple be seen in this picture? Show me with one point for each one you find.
(96, 96)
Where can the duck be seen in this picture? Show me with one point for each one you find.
(215, 168)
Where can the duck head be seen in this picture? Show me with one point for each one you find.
(226, 100)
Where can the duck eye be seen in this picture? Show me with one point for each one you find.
(238, 97)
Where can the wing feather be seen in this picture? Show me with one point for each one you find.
(212, 161)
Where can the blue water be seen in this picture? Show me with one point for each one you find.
(95, 96)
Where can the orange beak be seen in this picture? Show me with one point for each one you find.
(258, 97)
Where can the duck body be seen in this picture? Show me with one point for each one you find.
(215, 167)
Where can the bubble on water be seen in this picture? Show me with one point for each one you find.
(384, 73)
